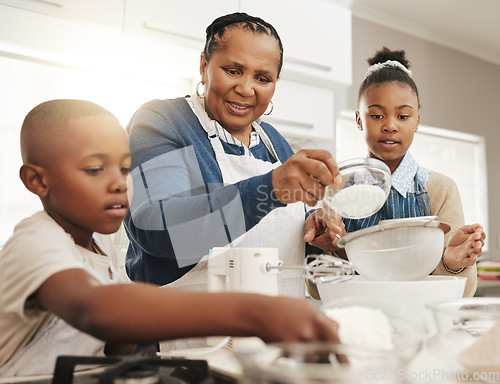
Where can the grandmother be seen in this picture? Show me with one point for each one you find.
(208, 172)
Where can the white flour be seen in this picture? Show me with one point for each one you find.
(363, 326)
(358, 200)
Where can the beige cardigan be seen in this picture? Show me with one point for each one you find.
(447, 206)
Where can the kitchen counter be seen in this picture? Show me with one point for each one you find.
(431, 365)
(488, 288)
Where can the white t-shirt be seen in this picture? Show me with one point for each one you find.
(38, 249)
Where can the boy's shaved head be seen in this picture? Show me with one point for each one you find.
(44, 126)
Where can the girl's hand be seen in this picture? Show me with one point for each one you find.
(323, 229)
(464, 247)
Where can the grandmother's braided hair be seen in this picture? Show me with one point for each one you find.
(388, 73)
(216, 30)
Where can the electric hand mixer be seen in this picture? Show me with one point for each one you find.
(257, 270)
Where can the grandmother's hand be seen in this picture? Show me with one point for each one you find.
(464, 247)
(304, 176)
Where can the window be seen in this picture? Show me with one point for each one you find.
(24, 84)
(458, 155)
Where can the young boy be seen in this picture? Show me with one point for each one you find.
(60, 293)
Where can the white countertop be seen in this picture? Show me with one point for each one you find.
(431, 365)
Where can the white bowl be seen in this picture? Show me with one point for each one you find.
(325, 362)
(378, 330)
(413, 294)
(396, 250)
(469, 333)
(364, 189)
(307, 363)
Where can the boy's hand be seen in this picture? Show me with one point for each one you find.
(464, 247)
(293, 320)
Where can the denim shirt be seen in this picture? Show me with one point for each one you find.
(407, 197)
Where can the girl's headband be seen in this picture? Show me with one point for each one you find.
(388, 64)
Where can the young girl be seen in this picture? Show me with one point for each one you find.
(389, 115)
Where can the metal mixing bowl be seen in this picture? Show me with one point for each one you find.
(400, 249)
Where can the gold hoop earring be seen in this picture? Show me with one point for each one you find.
(198, 90)
(272, 107)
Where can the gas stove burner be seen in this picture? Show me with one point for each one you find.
(128, 370)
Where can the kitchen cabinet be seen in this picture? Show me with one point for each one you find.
(156, 39)
(316, 36)
(317, 50)
(95, 47)
(104, 12)
(176, 20)
(302, 110)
